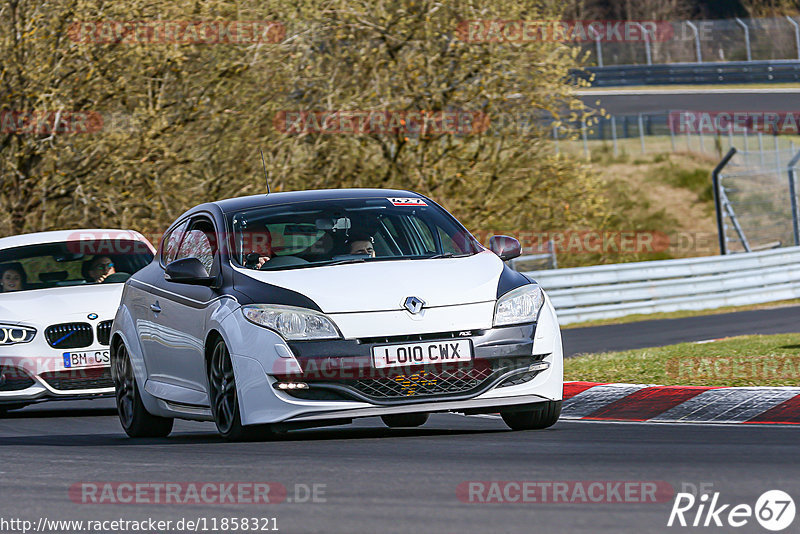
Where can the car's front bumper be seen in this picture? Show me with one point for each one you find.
(348, 360)
(34, 378)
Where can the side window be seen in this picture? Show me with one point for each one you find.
(448, 245)
(171, 243)
(199, 243)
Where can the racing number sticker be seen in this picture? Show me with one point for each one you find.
(407, 202)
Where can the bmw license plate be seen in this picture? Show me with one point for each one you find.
(92, 358)
(449, 351)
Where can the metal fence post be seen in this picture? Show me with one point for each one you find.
(761, 148)
(585, 142)
(551, 246)
(598, 46)
(730, 136)
(746, 38)
(646, 43)
(641, 132)
(614, 133)
(696, 41)
(796, 34)
(777, 155)
(723, 245)
(793, 198)
(671, 130)
(555, 136)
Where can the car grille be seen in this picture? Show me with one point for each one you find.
(423, 383)
(104, 332)
(519, 379)
(92, 378)
(69, 335)
(14, 379)
(430, 381)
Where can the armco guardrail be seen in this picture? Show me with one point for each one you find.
(693, 73)
(607, 291)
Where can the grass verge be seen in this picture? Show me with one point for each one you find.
(739, 361)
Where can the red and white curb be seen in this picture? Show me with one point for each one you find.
(680, 404)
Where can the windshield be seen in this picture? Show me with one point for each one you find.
(70, 263)
(308, 234)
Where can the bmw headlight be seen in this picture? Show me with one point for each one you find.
(292, 323)
(11, 335)
(520, 305)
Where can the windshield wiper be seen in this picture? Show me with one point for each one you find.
(340, 262)
(442, 255)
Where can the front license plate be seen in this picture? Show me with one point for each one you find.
(456, 350)
(92, 358)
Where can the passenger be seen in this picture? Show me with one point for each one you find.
(97, 270)
(361, 243)
(12, 279)
(260, 245)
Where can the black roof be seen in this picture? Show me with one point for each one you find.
(257, 201)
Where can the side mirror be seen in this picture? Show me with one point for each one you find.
(188, 271)
(505, 246)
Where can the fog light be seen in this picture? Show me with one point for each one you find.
(539, 366)
(291, 385)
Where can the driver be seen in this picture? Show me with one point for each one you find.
(100, 268)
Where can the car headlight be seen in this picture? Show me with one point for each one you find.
(11, 335)
(520, 305)
(292, 323)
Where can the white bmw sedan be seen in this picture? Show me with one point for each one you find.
(59, 292)
(302, 309)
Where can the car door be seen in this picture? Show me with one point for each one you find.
(174, 347)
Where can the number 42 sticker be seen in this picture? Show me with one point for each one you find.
(407, 202)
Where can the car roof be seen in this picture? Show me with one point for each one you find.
(60, 236)
(290, 197)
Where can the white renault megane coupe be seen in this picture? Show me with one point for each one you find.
(59, 292)
(302, 309)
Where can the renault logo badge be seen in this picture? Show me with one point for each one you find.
(414, 304)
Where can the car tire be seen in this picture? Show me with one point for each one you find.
(543, 416)
(134, 417)
(401, 420)
(225, 399)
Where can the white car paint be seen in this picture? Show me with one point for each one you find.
(382, 286)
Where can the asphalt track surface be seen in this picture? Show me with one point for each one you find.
(644, 334)
(620, 102)
(374, 479)
(394, 481)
